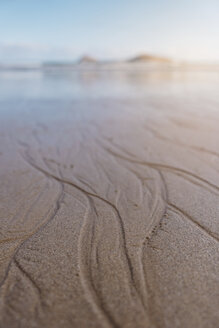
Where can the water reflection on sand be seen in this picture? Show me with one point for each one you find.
(108, 82)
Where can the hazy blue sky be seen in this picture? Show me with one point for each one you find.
(36, 30)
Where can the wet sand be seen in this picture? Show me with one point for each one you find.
(109, 212)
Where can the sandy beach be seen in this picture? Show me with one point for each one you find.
(109, 204)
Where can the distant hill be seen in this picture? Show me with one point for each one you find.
(149, 58)
(87, 60)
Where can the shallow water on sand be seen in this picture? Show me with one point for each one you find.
(110, 83)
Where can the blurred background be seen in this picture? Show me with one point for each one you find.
(68, 48)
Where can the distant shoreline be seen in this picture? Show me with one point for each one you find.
(88, 62)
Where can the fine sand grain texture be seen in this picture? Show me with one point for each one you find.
(109, 213)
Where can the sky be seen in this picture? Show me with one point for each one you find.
(41, 30)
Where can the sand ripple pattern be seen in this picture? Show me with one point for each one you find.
(86, 242)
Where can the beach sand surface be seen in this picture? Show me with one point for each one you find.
(109, 210)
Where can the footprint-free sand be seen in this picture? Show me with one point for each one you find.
(109, 211)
